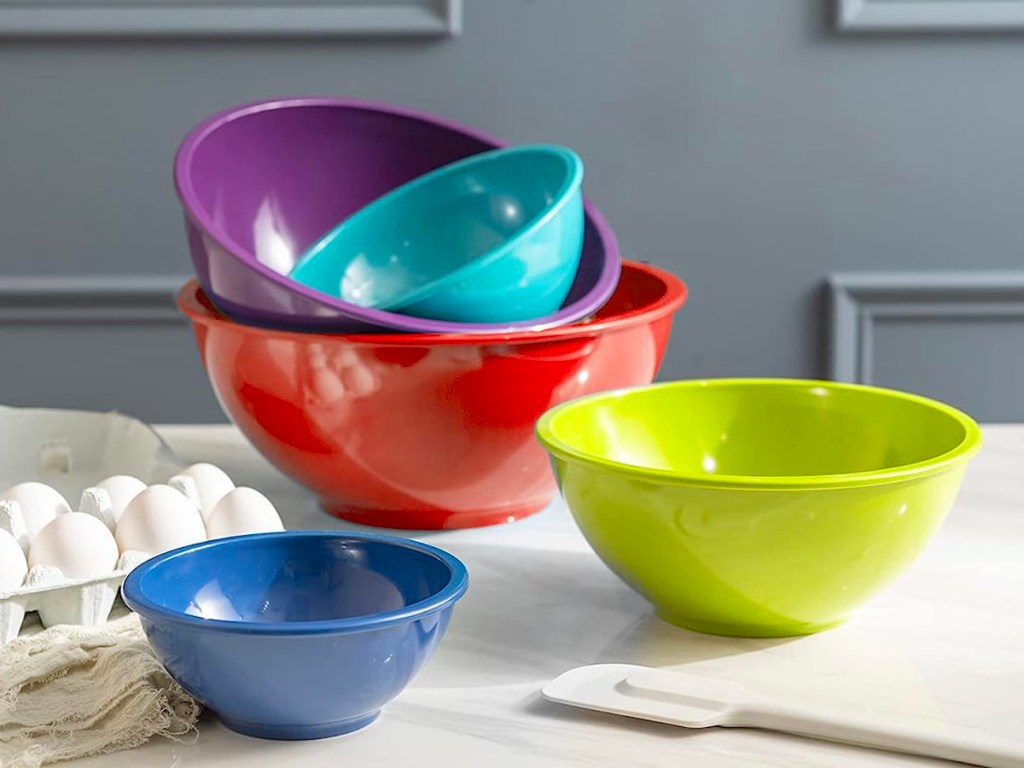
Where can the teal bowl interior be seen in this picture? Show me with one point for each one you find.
(495, 237)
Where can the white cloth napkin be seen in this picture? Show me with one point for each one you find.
(70, 692)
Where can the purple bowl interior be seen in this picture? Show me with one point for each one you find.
(262, 183)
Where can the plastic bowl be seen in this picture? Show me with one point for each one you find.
(758, 507)
(298, 634)
(260, 183)
(494, 237)
(426, 431)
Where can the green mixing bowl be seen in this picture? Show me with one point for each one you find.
(758, 507)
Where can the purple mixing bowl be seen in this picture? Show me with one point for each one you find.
(259, 183)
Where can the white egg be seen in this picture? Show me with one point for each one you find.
(80, 545)
(212, 482)
(122, 489)
(39, 505)
(158, 519)
(13, 566)
(243, 510)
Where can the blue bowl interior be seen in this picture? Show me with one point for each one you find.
(455, 219)
(274, 579)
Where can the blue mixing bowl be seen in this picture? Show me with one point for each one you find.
(296, 634)
(492, 238)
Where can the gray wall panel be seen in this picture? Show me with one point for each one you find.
(979, 364)
(148, 371)
(744, 144)
(958, 336)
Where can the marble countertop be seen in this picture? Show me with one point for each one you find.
(944, 641)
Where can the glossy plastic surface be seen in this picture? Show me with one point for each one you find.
(495, 237)
(297, 634)
(427, 431)
(260, 183)
(758, 507)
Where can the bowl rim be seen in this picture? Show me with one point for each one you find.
(568, 191)
(967, 447)
(675, 296)
(458, 583)
(195, 212)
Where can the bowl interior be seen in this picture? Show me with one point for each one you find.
(274, 181)
(273, 579)
(447, 221)
(759, 429)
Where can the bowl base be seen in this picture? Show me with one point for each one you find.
(431, 519)
(299, 732)
(794, 629)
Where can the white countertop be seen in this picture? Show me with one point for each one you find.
(945, 641)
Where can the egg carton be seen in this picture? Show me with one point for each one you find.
(73, 448)
(61, 601)
(54, 597)
(70, 451)
(58, 599)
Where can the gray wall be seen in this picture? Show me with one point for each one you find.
(743, 144)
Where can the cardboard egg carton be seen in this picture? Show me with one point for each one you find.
(69, 451)
(60, 601)
(52, 595)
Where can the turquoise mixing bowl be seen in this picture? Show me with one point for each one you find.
(493, 238)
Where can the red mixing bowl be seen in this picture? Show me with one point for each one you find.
(427, 430)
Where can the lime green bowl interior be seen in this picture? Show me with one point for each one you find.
(758, 507)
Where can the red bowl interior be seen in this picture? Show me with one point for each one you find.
(427, 430)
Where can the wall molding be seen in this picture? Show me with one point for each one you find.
(929, 15)
(65, 300)
(229, 18)
(859, 300)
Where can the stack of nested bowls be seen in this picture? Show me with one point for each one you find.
(387, 302)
